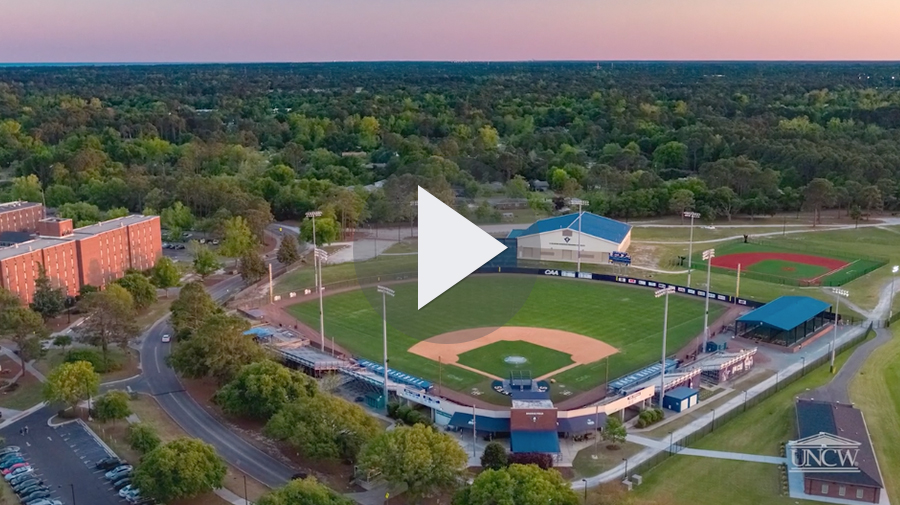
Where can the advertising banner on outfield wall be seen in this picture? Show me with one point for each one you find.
(622, 280)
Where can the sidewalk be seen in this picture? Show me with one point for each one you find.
(738, 456)
(28, 366)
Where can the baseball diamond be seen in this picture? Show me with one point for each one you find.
(611, 330)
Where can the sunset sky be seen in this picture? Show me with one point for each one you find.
(351, 30)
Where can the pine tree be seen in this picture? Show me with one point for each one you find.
(48, 301)
(288, 252)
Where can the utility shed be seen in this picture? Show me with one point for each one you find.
(681, 399)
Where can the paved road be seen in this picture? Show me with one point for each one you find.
(164, 385)
(838, 389)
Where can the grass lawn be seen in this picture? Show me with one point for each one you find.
(876, 391)
(539, 360)
(787, 269)
(28, 394)
(369, 271)
(585, 465)
(126, 362)
(405, 247)
(628, 318)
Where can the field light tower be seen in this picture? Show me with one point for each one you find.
(313, 214)
(691, 215)
(838, 293)
(385, 292)
(894, 271)
(662, 372)
(321, 257)
(579, 202)
(708, 256)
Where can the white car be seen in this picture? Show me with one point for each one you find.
(166, 338)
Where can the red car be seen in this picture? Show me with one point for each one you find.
(14, 467)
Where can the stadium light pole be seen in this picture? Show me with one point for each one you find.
(662, 372)
(894, 271)
(313, 214)
(708, 256)
(321, 257)
(838, 293)
(385, 292)
(691, 215)
(579, 202)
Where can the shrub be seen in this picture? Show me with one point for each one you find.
(494, 457)
(142, 438)
(540, 459)
(94, 358)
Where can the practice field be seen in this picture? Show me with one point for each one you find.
(770, 262)
(629, 319)
(500, 358)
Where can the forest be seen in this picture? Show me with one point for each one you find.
(199, 144)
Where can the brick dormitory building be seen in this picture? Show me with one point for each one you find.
(73, 257)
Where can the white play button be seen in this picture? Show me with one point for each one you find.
(450, 247)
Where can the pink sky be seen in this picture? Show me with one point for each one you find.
(351, 30)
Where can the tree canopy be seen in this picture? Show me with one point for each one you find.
(261, 389)
(517, 485)
(71, 383)
(182, 468)
(303, 491)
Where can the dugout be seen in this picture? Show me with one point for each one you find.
(784, 321)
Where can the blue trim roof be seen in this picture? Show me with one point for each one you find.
(590, 422)
(515, 233)
(592, 224)
(534, 441)
(395, 375)
(482, 423)
(786, 313)
(681, 393)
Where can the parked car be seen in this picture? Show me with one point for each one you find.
(130, 493)
(15, 467)
(10, 457)
(18, 471)
(8, 449)
(118, 472)
(19, 479)
(121, 483)
(45, 501)
(30, 481)
(108, 463)
(27, 490)
(36, 495)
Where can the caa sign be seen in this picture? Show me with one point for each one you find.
(824, 453)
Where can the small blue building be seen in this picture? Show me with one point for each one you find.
(681, 399)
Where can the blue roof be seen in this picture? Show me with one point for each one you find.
(786, 313)
(534, 441)
(589, 422)
(395, 375)
(515, 233)
(482, 423)
(592, 224)
(681, 393)
(641, 375)
(260, 331)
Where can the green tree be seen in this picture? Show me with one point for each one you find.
(177, 218)
(218, 348)
(143, 292)
(142, 437)
(60, 194)
(112, 406)
(252, 267)
(47, 301)
(182, 468)
(238, 240)
(205, 261)
(81, 213)
(191, 309)
(614, 432)
(110, 318)
(165, 274)
(855, 214)
(288, 252)
(681, 201)
(518, 485)
(422, 458)
(557, 178)
(116, 212)
(670, 155)
(303, 491)
(324, 426)
(494, 457)
(819, 193)
(27, 188)
(62, 341)
(261, 389)
(517, 187)
(23, 326)
(326, 230)
(71, 383)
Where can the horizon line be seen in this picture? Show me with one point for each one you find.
(460, 62)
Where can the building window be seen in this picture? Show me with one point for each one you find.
(859, 494)
(842, 491)
(824, 488)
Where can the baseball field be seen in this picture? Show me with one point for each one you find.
(566, 330)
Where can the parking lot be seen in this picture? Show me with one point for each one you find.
(64, 458)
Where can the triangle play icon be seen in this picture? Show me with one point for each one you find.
(450, 247)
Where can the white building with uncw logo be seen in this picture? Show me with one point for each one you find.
(559, 238)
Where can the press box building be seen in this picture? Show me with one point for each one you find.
(556, 238)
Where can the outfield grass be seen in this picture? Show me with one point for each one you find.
(628, 318)
(368, 271)
(876, 391)
(539, 360)
(787, 269)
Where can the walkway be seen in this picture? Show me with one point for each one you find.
(838, 389)
(738, 456)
